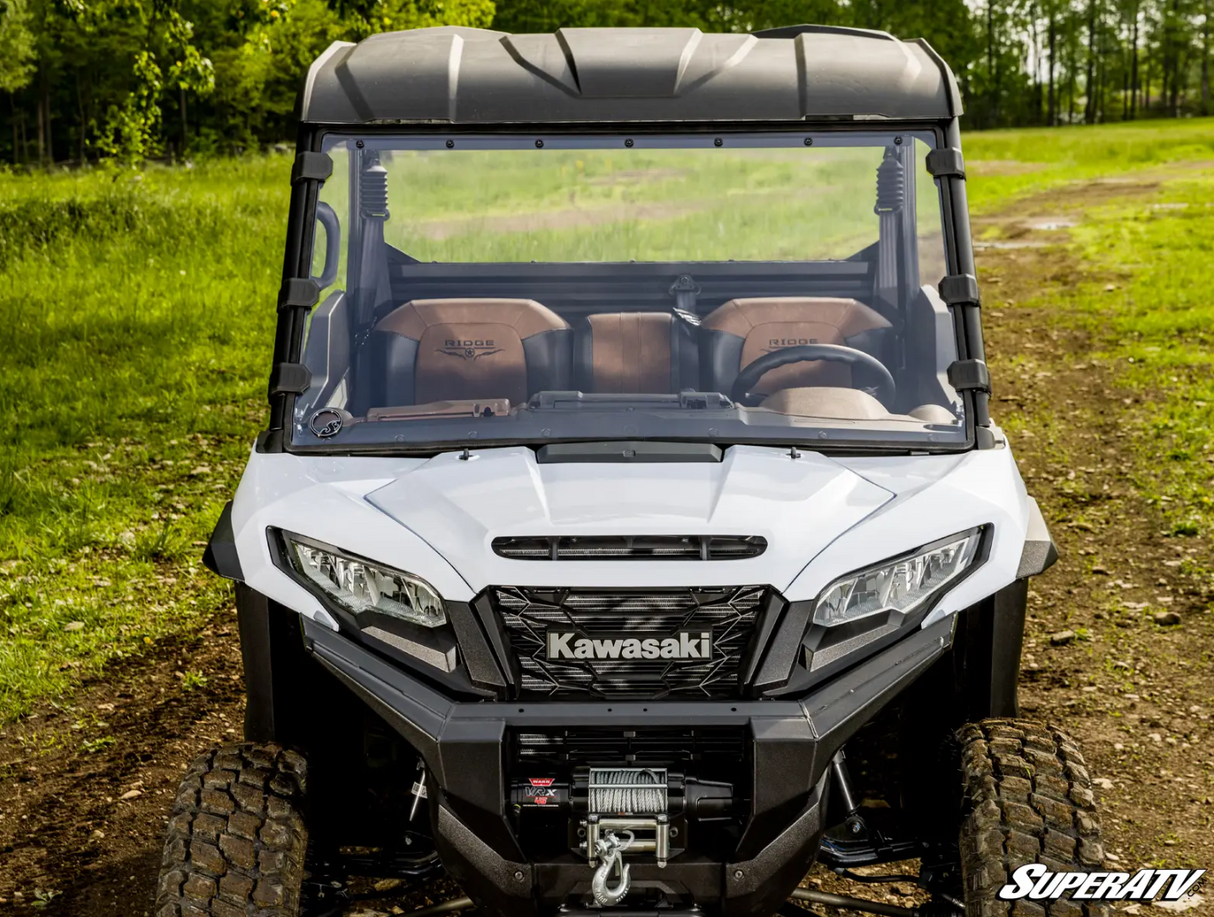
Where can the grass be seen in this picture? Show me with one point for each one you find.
(1009, 164)
(136, 321)
(1142, 297)
(135, 324)
(1155, 326)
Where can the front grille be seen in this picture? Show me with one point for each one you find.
(729, 612)
(655, 747)
(631, 547)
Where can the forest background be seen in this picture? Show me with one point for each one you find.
(131, 80)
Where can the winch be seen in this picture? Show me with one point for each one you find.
(613, 812)
(624, 803)
(634, 800)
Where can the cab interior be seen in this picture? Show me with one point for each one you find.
(432, 338)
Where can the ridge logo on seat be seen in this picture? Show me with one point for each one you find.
(780, 343)
(684, 645)
(469, 350)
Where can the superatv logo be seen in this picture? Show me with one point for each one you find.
(687, 645)
(1036, 882)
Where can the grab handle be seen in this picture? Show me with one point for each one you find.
(326, 216)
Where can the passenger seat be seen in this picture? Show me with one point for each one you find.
(470, 349)
(636, 353)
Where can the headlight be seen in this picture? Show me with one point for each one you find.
(359, 586)
(900, 584)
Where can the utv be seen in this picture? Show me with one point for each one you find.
(629, 459)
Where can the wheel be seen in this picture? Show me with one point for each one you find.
(1026, 798)
(236, 839)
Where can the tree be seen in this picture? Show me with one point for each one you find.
(16, 56)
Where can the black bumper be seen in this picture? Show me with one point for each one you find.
(793, 741)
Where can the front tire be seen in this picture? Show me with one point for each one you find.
(1027, 798)
(236, 839)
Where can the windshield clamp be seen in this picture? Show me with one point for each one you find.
(289, 379)
(969, 375)
(298, 293)
(946, 163)
(960, 290)
(684, 290)
(311, 167)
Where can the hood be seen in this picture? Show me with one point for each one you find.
(459, 506)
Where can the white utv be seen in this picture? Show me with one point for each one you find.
(629, 459)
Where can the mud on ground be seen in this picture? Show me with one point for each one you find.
(80, 827)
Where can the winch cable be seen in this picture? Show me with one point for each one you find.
(621, 790)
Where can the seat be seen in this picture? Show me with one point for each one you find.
(848, 404)
(741, 330)
(636, 353)
(432, 350)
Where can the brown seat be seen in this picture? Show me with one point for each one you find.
(849, 404)
(460, 349)
(740, 331)
(636, 353)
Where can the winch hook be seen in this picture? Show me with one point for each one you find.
(610, 850)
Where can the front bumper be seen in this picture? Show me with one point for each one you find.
(792, 742)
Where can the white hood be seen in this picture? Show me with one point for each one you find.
(459, 506)
(437, 518)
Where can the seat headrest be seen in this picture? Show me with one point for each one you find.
(742, 316)
(469, 349)
(526, 316)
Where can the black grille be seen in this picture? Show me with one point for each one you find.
(632, 547)
(528, 614)
(658, 747)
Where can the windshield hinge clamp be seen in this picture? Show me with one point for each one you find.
(684, 290)
(946, 163)
(311, 167)
(969, 376)
(298, 293)
(289, 379)
(960, 290)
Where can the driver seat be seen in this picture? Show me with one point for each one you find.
(742, 330)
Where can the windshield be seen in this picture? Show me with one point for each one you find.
(760, 288)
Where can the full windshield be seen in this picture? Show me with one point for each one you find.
(763, 288)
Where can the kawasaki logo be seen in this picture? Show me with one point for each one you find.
(688, 645)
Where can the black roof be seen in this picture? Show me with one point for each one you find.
(476, 76)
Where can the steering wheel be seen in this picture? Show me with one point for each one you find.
(806, 353)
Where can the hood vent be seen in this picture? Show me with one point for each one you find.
(631, 547)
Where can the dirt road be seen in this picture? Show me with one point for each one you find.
(80, 829)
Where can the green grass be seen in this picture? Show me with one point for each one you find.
(136, 320)
(135, 327)
(1009, 164)
(1156, 328)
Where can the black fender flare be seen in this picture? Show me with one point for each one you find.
(220, 556)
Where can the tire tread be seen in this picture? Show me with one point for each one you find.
(236, 837)
(1027, 799)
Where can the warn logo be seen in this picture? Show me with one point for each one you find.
(685, 645)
